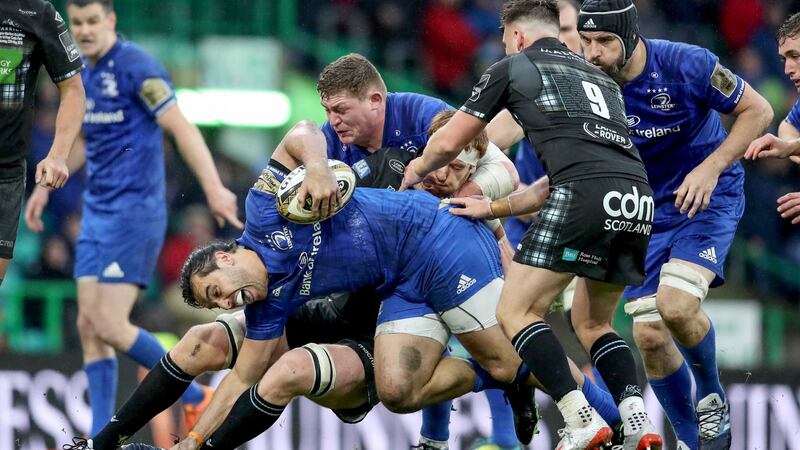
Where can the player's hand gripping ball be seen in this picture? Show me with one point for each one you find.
(288, 204)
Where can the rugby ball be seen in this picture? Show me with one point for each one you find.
(288, 204)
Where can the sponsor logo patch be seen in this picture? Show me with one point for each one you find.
(154, 92)
(723, 80)
(464, 283)
(10, 58)
(570, 254)
(69, 46)
(479, 87)
(397, 166)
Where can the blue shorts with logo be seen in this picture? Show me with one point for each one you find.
(703, 240)
(456, 260)
(118, 249)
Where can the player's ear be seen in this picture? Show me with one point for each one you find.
(376, 99)
(519, 40)
(224, 258)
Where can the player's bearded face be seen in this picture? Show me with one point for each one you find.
(789, 51)
(604, 51)
(93, 28)
(447, 180)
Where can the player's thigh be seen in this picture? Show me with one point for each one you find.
(409, 340)
(11, 199)
(350, 386)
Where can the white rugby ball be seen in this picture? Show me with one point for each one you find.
(288, 204)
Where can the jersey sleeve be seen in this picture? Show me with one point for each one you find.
(528, 165)
(332, 140)
(712, 83)
(383, 169)
(490, 94)
(152, 86)
(62, 59)
(264, 320)
(794, 116)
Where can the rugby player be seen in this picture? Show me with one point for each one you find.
(574, 116)
(673, 95)
(787, 143)
(130, 99)
(32, 34)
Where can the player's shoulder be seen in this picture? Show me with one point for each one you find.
(415, 101)
(134, 57)
(678, 60)
(27, 7)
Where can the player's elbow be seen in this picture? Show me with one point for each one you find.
(304, 126)
(759, 112)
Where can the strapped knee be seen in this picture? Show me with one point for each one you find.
(643, 309)
(235, 337)
(324, 370)
(684, 278)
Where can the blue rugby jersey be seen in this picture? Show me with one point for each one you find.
(672, 116)
(408, 117)
(126, 91)
(367, 244)
(530, 170)
(794, 115)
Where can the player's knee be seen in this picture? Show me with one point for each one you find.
(397, 394)
(677, 309)
(85, 325)
(294, 374)
(687, 288)
(652, 338)
(499, 370)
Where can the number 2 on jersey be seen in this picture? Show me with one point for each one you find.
(596, 99)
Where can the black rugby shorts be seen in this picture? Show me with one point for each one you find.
(597, 228)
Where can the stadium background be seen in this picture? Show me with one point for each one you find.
(271, 50)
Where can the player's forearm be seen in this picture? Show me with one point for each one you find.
(789, 133)
(70, 116)
(438, 153)
(753, 116)
(77, 156)
(527, 201)
(306, 145)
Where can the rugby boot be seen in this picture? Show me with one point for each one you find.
(79, 443)
(487, 444)
(594, 436)
(424, 446)
(192, 413)
(647, 438)
(526, 411)
(714, 420)
(139, 446)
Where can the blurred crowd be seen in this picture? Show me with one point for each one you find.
(446, 44)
